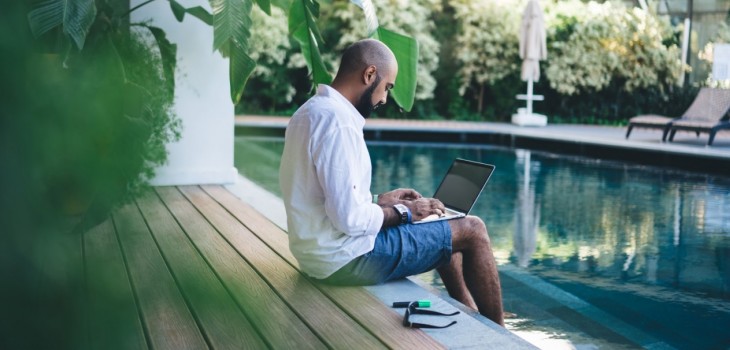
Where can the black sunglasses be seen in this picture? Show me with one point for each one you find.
(414, 310)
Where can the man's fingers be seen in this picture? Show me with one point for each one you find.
(436, 204)
(410, 194)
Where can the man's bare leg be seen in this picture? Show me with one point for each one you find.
(453, 277)
(469, 237)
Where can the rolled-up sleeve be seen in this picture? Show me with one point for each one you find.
(340, 158)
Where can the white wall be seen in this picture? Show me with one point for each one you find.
(204, 154)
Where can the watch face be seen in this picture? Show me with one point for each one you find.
(403, 212)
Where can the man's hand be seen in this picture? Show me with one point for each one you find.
(423, 207)
(400, 195)
(420, 207)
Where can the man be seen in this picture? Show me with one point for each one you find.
(335, 231)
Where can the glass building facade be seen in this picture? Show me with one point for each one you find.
(707, 21)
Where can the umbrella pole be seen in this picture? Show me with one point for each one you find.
(529, 96)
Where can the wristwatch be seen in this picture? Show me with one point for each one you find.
(403, 213)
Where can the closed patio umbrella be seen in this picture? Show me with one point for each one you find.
(532, 41)
(533, 48)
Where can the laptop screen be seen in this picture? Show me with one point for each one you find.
(462, 184)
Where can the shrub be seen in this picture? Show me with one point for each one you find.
(610, 43)
(486, 42)
(102, 123)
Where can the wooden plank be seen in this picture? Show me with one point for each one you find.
(272, 316)
(222, 322)
(167, 319)
(113, 319)
(274, 236)
(313, 307)
(382, 321)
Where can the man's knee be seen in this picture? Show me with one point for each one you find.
(469, 232)
(476, 225)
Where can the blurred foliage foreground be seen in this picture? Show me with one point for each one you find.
(80, 132)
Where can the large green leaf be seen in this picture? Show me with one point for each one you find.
(406, 54)
(304, 30)
(179, 11)
(231, 23)
(240, 68)
(282, 4)
(265, 5)
(371, 19)
(76, 16)
(201, 13)
(168, 55)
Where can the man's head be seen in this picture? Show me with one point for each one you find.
(367, 72)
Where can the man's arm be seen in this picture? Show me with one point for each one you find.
(390, 217)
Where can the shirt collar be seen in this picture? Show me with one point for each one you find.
(328, 91)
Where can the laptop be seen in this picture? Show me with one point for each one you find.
(460, 189)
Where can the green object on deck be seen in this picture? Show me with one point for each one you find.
(424, 303)
(419, 303)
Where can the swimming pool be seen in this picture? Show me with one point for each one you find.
(648, 246)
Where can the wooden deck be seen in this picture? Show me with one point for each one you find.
(194, 267)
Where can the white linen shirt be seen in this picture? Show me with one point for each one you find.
(325, 179)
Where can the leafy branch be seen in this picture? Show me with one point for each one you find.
(76, 17)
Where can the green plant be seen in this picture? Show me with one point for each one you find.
(231, 21)
(608, 63)
(111, 95)
(609, 44)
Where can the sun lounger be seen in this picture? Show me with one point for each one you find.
(650, 121)
(704, 115)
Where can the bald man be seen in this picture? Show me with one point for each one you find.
(335, 231)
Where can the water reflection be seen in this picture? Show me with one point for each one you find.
(527, 211)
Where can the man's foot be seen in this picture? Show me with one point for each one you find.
(509, 315)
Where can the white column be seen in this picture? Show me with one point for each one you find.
(204, 154)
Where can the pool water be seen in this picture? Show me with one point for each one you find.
(647, 247)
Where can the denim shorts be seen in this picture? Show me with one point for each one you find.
(399, 251)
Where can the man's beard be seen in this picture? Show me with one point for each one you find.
(365, 105)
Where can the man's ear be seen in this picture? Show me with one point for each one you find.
(368, 75)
